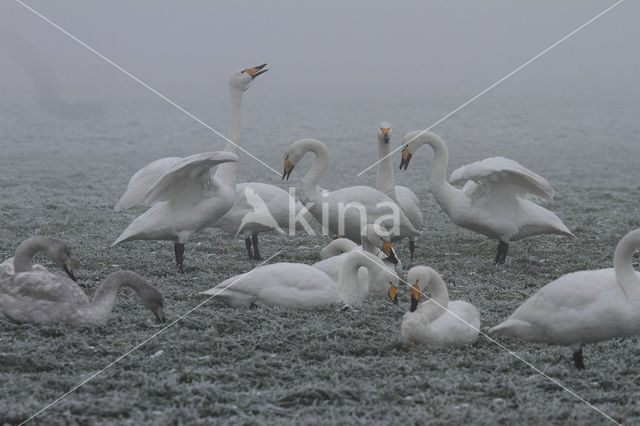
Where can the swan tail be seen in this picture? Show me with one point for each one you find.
(229, 296)
(511, 327)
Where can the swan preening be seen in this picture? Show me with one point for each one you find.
(190, 202)
(295, 285)
(56, 250)
(583, 307)
(336, 247)
(344, 211)
(386, 183)
(493, 201)
(45, 298)
(438, 323)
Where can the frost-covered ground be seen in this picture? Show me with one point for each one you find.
(63, 167)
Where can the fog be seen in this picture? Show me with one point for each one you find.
(316, 49)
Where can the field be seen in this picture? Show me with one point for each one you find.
(63, 167)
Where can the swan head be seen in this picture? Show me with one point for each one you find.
(60, 253)
(418, 277)
(152, 300)
(241, 79)
(413, 140)
(380, 238)
(384, 132)
(291, 157)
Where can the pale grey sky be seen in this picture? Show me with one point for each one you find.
(316, 49)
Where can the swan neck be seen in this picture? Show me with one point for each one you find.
(385, 179)
(105, 297)
(25, 252)
(438, 294)
(308, 186)
(440, 186)
(353, 292)
(626, 276)
(227, 172)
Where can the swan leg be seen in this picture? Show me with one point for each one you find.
(501, 254)
(247, 243)
(178, 249)
(256, 252)
(578, 360)
(412, 248)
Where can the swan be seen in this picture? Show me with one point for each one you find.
(385, 183)
(438, 323)
(44, 298)
(493, 201)
(57, 250)
(372, 243)
(184, 200)
(336, 247)
(295, 285)
(582, 307)
(342, 211)
(143, 179)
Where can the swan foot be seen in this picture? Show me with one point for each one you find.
(178, 250)
(256, 252)
(578, 360)
(501, 254)
(247, 243)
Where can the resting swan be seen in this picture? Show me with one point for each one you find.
(493, 201)
(44, 298)
(386, 183)
(295, 285)
(438, 323)
(344, 211)
(184, 200)
(582, 307)
(224, 179)
(57, 250)
(372, 243)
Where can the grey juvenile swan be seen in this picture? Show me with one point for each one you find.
(57, 250)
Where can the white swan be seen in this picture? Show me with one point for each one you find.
(344, 211)
(295, 285)
(386, 183)
(44, 298)
(143, 179)
(582, 307)
(371, 243)
(336, 247)
(438, 323)
(57, 250)
(493, 201)
(184, 200)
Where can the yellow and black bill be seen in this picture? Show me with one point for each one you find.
(406, 158)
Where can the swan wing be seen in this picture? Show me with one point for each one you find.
(142, 180)
(43, 286)
(186, 176)
(502, 175)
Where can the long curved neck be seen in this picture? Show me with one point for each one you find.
(105, 297)
(26, 251)
(352, 292)
(439, 297)
(622, 263)
(385, 180)
(438, 181)
(227, 172)
(308, 186)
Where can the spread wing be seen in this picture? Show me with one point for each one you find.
(142, 180)
(188, 175)
(501, 175)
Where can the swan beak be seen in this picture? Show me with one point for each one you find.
(415, 296)
(288, 167)
(256, 71)
(66, 267)
(389, 252)
(393, 293)
(385, 134)
(406, 157)
(159, 313)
